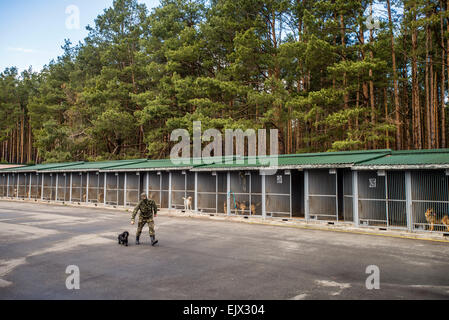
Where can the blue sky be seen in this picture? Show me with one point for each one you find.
(32, 31)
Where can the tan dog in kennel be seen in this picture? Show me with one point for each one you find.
(187, 203)
(432, 219)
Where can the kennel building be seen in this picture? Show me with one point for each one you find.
(314, 186)
(84, 183)
(28, 182)
(377, 188)
(163, 181)
(395, 191)
(229, 188)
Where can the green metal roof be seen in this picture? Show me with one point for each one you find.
(94, 166)
(40, 167)
(378, 159)
(433, 158)
(304, 160)
(153, 165)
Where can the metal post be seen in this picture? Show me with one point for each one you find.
(185, 184)
(169, 191)
(87, 187)
(291, 213)
(386, 198)
(80, 187)
(104, 188)
(147, 185)
(264, 196)
(124, 189)
(98, 185)
(51, 186)
(117, 181)
(7, 186)
(196, 191)
(70, 193)
(250, 181)
(408, 200)
(306, 195)
(216, 192)
(138, 186)
(336, 194)
(228, 194)
(56, 187)
(42, 184)
(29, 187)
(160, 188)
(355, 198)
(18, 186)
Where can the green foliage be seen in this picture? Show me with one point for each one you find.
(230, 64)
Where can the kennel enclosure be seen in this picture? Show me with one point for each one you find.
(378, 188)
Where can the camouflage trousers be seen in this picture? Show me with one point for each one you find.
(141, 224)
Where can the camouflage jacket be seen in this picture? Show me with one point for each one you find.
(147, 209)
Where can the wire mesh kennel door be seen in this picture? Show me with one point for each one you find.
(382, 200)
(348, 198)
(240, 192)
(178, 189)
(12, 185)
(207, 192)
(36, 186)
(77, 186)
(132, 188)
(63, 185)
(48, 186)
(112, 188)
(277, 189)
(22, 185)
(323, 200)
(222, 192)
(165, 183)
(255, 195)
(153, 184)
(430, 200)
(3, 185)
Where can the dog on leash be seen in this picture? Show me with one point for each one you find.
(123, 238)
(187, 203)
(432, 218)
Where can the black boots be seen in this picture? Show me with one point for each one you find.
(153, 240)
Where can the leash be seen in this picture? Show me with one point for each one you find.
(229, 194)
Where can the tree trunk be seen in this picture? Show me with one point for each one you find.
(443, 80)
(395, 82)
(428, 90)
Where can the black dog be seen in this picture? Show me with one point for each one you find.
(123, 238)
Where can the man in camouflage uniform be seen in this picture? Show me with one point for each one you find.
(148, 210)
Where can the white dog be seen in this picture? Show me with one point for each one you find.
(187, 203)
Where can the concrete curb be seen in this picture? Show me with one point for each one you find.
(343, 227)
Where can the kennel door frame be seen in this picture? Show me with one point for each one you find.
(418, 178)
(2, 194)
(175, 189)
(308, 194)
(213, 193)
(387, 199)
(280, 214)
